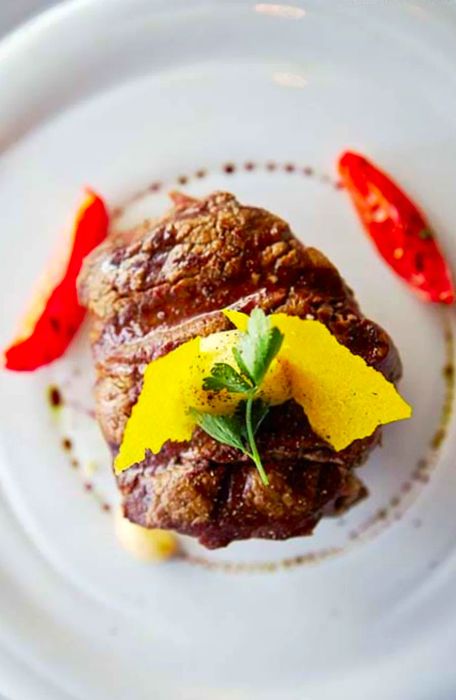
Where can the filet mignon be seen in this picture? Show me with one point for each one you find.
(166, 282)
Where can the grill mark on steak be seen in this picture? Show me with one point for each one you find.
(166, 282)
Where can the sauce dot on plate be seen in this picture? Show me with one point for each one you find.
(54, 397)
(67, 444)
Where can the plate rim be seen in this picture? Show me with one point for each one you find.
(64, 10)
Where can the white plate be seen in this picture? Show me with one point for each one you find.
(121, 95)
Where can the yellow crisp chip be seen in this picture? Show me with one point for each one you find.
(343, 398)
(160, 413)
(237, 318)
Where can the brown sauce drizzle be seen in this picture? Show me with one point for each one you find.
(261, 567)
(55, 399)
(229, 168)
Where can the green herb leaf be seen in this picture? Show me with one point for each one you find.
(224, 429)
(224, 376)
(258, 347)
(254, 454)
(274, 344)
(260, 410)
(255, 351)
(241, 365)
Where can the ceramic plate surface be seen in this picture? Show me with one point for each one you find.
(141, 97)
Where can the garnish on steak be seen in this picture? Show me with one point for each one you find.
(168, 282)
(227, 382)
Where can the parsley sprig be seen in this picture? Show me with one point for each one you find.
(253, 355)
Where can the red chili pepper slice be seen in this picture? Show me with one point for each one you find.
(55, 314)
(398, 229)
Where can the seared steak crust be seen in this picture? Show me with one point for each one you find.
(167, 282)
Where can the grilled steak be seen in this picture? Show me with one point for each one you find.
(166, 282)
